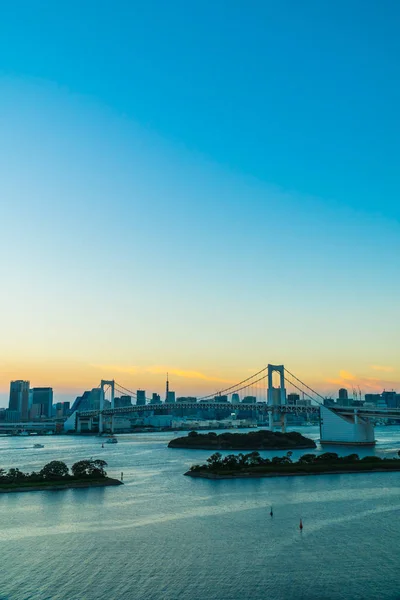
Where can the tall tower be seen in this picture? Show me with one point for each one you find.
(166, 389)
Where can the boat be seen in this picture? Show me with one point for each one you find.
(112, 440)
(23, 433)
(38, 445)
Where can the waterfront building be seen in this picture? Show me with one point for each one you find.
(140, 397)
(249, 399)
(43, 397)
(20, 398)
(372, 399)
(221, 398)
(293, 399)
(191, 399)
(122, 401)
(12, 416)
(390, 399)
(170, 399)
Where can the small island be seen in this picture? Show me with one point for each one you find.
(254, 440)
(253, 465)
(56, 476)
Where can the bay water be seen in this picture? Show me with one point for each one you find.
(165, 536)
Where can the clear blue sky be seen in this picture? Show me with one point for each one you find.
(202, 186)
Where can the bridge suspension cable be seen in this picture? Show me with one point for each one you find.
(120, 388)
(304, 384)
(302, 391)
(232, 387)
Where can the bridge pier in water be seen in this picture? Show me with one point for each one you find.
(351, 429)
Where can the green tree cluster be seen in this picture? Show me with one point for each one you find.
(237, 462)
(56, 470)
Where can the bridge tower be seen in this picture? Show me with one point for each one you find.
(276, 398)
(105, 383)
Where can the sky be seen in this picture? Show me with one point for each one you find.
(201, 188)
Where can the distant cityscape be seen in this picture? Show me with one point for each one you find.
(36, 404)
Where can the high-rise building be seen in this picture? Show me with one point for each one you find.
(191, 399)
(390, 399)
(372, 398)
(249, 400)
(12, 416)
(155, 399)
(343, 394)
(122, 401)
(43, 396)
(293, 399)
(170, 399)
(20, 398)
(140, 397)
(235, 398)
(220, 398)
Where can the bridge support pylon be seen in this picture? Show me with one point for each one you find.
(276, 398)
(105, 383)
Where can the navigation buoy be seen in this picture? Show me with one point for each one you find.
(271, 512)
(102, 445)
(301, 525)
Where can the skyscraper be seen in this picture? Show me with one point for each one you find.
(170, 399)
(140, 397)
(155, 399)
(44, 397)
(343, 394)
(20, 398)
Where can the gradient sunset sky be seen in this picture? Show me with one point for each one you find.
(200, 187)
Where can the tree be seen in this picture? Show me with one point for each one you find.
(89, 468)
(281, 460)
(214, 460)
(328, 457)
(15, 475)
(192, 434)
(230, 461)
(254, 458)
(351, 458)
(369, 459)
(56, 469)
(307, 459)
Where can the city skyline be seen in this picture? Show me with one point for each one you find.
(200, 202)
(350, 382)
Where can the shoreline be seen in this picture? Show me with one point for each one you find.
(225, 449)
(108, 481)
(247, 475)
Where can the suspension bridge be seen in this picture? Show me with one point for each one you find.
(338, 424)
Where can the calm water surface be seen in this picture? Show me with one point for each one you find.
(165, 536)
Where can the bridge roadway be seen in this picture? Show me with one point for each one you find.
(261, 407)
(361, 411)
